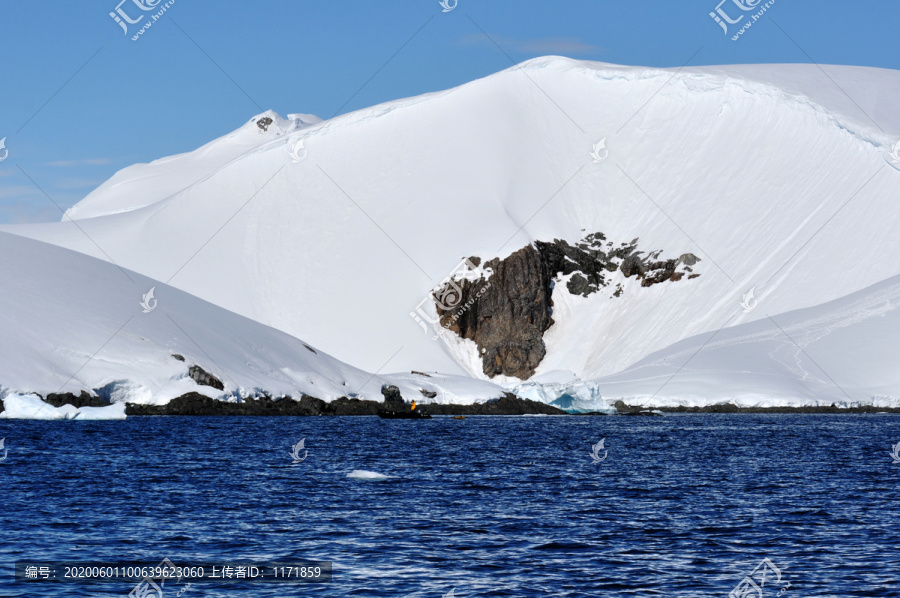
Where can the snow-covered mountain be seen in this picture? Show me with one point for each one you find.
(844, 352)
(71, 322)
(335, 231)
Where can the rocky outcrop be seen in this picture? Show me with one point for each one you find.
(85, 399)
(507, 312)
(509, 404)
(197, 404)
(506, 315)
(204, 378)
(591, 262)
(391, 395)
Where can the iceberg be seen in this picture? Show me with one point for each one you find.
(30, 406)
(574, 396)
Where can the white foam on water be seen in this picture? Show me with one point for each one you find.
(362, 474)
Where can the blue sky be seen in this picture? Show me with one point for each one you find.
(80, 100)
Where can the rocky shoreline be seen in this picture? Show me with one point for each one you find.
(197, 404)
(193, 403)
(624, 409)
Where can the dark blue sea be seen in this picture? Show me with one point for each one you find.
(682, 505)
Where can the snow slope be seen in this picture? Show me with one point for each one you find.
(70, 322)
(770, 174)
(170, 175)
(844, 352)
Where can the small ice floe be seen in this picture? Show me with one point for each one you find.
(30, 406)
(362, 474)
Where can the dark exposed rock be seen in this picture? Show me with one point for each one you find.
(420, 373)
(345, 406)
(312, 405)
(633, 265)
(428, 393)
(392, 395)
(688, 259)
(507, 314)
(204, 378)
(509, 404)
(310, 348)
(67, 398)
(579, 285)
(590, 259)
(177, 356)
(197, 404)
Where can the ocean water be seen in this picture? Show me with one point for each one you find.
(682, 505)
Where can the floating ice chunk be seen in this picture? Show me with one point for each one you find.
(575, 396)
(30, 406)
(114, 411)
(362, 474)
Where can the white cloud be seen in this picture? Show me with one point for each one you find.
(73, 183)
(85, 162)
(21, 212)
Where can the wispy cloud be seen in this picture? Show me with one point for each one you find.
(71, 183)
(25, 212)
(85, 162)
(565, 46)
(19, 192)
(25, 203)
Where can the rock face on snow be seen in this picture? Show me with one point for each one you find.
(591, 260)
(507, 314)
(204, 378)
(391, 395)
